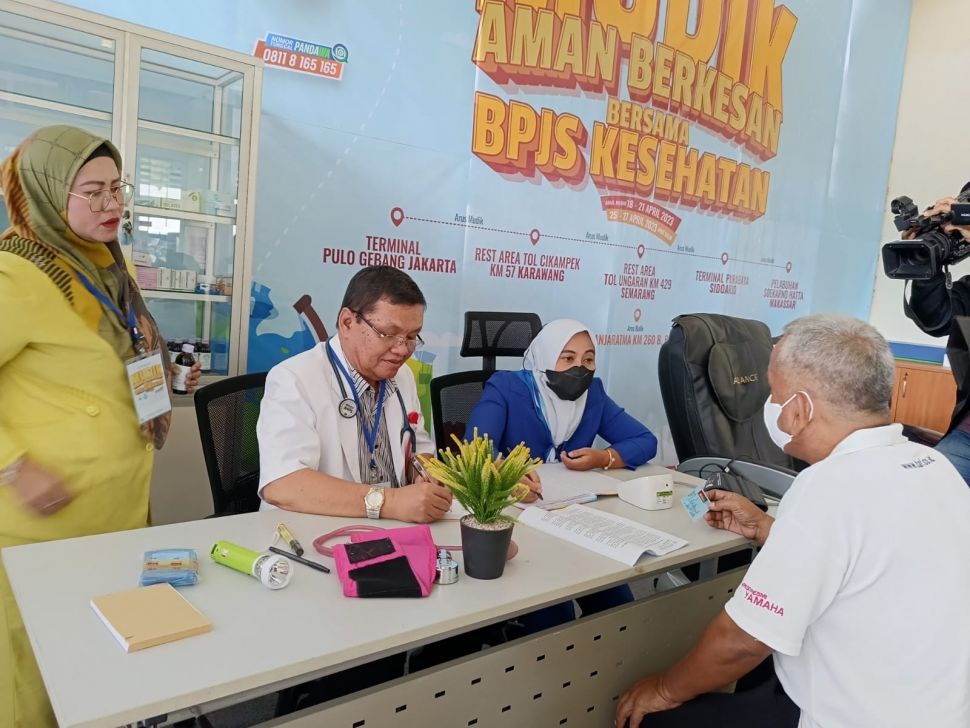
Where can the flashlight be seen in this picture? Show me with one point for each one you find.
(272, 570)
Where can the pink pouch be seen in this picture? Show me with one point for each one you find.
(393, 562)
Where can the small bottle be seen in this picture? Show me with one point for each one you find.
(183, 365)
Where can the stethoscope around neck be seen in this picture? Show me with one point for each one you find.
(349, 407)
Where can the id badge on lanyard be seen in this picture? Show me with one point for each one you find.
(146, 377)
(146, 373)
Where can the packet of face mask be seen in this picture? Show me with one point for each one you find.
(178, 567)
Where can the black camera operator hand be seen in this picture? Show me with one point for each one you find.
(940, 206)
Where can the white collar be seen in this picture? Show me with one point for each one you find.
(360, 384)
(869, 437)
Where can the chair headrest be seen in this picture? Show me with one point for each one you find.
(498, 333)
(738, 376)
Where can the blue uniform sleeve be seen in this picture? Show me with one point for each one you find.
(490, 414)
(629, 437)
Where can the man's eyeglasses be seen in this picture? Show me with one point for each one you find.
(390, 340)
(100, 199)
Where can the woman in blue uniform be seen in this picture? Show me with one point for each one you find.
(557, 407)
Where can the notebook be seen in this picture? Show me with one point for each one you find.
(149, 616)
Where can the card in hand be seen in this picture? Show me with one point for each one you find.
(696, 503)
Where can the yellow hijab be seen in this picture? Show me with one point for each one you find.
(35, 181)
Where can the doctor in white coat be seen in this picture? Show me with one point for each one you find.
(338, 423)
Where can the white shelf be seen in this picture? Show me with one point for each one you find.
(187, 133)
(182, 215)
(184, 296)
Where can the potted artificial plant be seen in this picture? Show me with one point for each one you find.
(485, 486)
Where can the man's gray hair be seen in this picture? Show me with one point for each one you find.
(845, 360)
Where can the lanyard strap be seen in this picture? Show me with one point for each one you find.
(128, 321)
(370, 434)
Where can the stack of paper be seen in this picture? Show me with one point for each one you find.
(606, 534)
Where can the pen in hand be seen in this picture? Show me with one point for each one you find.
(300, 560)
(418, 467)
(532, 478)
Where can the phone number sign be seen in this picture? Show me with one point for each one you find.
(302, 56)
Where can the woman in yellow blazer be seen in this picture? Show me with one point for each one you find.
(74, 459)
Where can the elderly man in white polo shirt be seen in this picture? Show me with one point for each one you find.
(861, 589)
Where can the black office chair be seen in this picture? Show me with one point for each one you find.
(453, 397)
(227, 412)
(713, 375)
(489, 334)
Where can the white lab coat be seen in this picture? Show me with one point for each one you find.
(299, 426)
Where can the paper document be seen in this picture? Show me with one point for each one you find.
(552, 505)
(456, 512)
(608, 535)
(562, 486)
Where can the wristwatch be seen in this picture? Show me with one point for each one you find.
(373, 502)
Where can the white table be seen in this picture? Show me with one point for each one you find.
(263, 640)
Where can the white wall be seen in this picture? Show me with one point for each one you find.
(931, 154)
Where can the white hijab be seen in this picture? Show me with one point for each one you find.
(561, 415)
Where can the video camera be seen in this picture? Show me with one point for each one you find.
(932, 247)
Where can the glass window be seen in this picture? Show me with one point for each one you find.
(180, 172)
(18, 121)
(200, 247)
(190, 95)
(54, 63)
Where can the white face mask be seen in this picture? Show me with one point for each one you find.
(772, 413)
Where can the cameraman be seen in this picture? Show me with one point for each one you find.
(934, 309)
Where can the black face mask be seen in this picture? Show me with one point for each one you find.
(570, 384)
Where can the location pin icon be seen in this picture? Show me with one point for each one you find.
(636, 315)
(397, 216)
(534, 236)
(724, 258)
(640, 250)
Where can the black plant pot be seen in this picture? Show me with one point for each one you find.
(484, 551)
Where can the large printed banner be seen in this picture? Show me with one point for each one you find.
(620, 162)
(722, 76)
